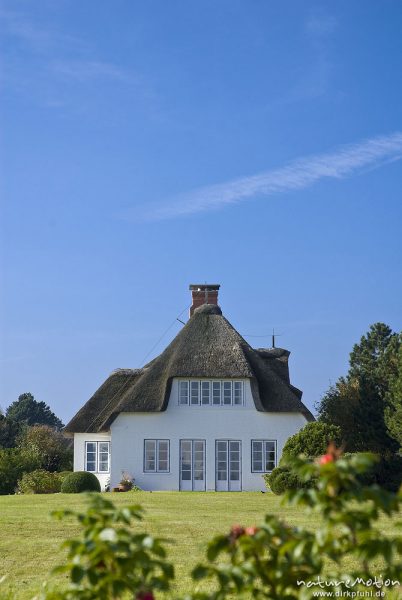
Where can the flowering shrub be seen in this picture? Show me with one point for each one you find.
(111, 560)
(277, 561)
(270, 561)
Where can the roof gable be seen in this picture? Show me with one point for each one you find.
(207, 346)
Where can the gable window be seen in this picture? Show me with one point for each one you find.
(263, 456)
(216, 393)
(205, 392)
(156, 456)
(237, 392)
(227, 392)
(195, 392)
(97, 457)
(183, 392)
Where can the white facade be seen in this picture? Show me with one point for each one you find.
(193, 430)
(80, 442)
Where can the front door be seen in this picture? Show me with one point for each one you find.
(228, 465)
(192, 465)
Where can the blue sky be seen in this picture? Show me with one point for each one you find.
(149, 145)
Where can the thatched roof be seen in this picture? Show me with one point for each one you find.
(207, 346)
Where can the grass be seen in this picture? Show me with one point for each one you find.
(30, 539)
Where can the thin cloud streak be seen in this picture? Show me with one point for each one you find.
(299, 174)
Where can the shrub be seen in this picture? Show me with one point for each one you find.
(12, 466)
(275, 560)
(311, 441)
(64, 474)
(111, 558)
(388, 472)
(80, 481)
(40, 482)
(282, 479)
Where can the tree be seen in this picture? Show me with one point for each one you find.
(357, 403)
(393, 411)
(28, 410)
(9, 430)
(12, 466)
(46, 448)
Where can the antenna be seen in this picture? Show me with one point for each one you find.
(273, 337)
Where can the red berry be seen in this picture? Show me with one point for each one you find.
(327, 458)
(251, 530)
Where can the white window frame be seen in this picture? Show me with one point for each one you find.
(240, 384)
(184, 385)
(193, 391)
(264, 455)
(205, 386)
(156, 446)
(225, 387)
(195, 384)
(216, 385)
(97, 456)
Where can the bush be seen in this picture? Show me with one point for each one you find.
(311, 441)
(282, 479)
(388, 473)
(80, 481)
(40, 482)
(64, 474)
(111, 559)
(13, 464)
(275, 560)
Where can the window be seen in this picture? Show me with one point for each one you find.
(97, 457)
(103, 457)
(195, 392)
(263, 456)
(227, 392)
(156, 456)
(215, 393)
(205, 392)
(237, 392)
(183, 392)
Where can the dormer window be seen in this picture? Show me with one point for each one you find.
(202, 392)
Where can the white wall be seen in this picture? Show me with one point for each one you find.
(210, 423)
(79, 453)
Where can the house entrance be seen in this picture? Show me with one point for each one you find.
(192, 465)
(228, 465)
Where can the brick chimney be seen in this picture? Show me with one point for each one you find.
(203, 293)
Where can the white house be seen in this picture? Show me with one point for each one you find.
(209, 413)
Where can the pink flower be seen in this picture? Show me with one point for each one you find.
(251, 530)
(327, 458)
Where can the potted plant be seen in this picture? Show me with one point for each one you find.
(126, 482)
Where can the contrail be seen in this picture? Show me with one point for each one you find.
(298, 174)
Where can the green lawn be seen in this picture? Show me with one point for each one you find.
(30, 539)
